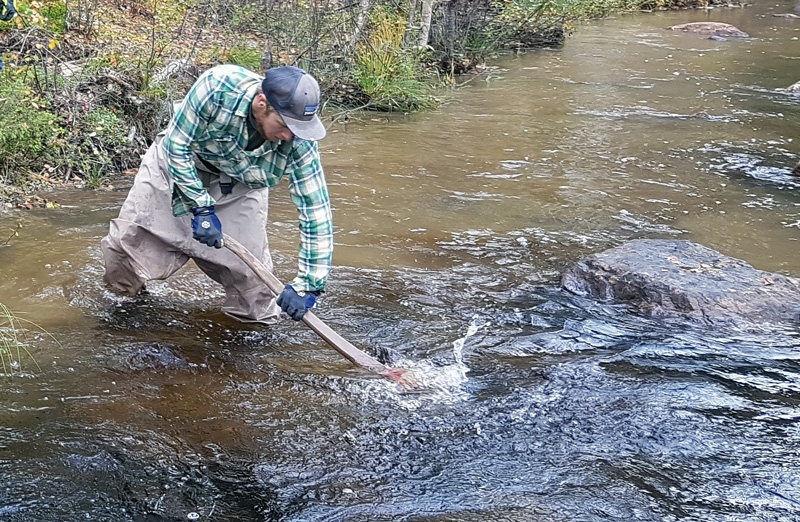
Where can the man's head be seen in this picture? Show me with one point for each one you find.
(294, 95)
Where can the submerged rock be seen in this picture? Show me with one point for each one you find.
(711, 29)
(675, 278)
(132, 357)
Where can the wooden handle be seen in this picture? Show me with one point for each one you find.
(350, 352)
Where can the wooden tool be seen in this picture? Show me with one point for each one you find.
(337, 342)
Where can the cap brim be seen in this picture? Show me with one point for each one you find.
(312, 129)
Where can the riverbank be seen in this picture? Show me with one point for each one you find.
(83, 91)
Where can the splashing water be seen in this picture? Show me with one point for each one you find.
(458, 347)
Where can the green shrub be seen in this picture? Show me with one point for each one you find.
(244, 18)
(246, 57)
(86, 142)
(29, 133)
(106, 126)
(56, 14)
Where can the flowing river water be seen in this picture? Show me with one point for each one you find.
(453, 228)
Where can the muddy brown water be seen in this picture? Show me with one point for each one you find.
(453, 228)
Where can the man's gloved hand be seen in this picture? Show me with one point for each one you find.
(295, 304)
(206, 227)
(7, 12)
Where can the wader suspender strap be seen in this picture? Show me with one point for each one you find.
(7, 10)
(225, 182)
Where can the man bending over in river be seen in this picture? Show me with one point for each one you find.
(234, 135)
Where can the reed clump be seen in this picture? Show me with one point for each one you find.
(14, 340)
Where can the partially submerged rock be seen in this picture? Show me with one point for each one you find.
(134, 357)
(794, 88)
(675, 278)
(710, 29)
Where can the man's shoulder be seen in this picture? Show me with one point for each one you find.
(234, 77)
(229, 69)
(302, 147)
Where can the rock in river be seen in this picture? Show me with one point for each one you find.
(793, 88)
(675, 278)
(710, 29)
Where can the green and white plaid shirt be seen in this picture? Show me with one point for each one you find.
(212, 123)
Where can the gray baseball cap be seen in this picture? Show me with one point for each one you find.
(295, 95)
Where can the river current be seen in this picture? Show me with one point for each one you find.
(452, 230)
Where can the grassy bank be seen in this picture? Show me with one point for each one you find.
(86, 86)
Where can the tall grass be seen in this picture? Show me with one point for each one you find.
(387, 71)
(13, 341)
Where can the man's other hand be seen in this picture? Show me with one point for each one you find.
(206, 227)
(295, 304)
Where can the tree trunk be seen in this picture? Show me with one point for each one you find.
(361, 21)
(451, 12)
(412, 16)
(425, 24)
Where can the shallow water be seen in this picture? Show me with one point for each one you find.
(452, 231)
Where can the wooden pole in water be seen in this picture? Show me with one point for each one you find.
(340, 344)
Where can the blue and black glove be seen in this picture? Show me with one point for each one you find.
(206, 227)
(295, 304)
(7, 11)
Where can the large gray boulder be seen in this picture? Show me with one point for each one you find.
(711, 29)
(676, 278)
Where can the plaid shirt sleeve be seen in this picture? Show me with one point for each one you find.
(189, 122)
(309, 193)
